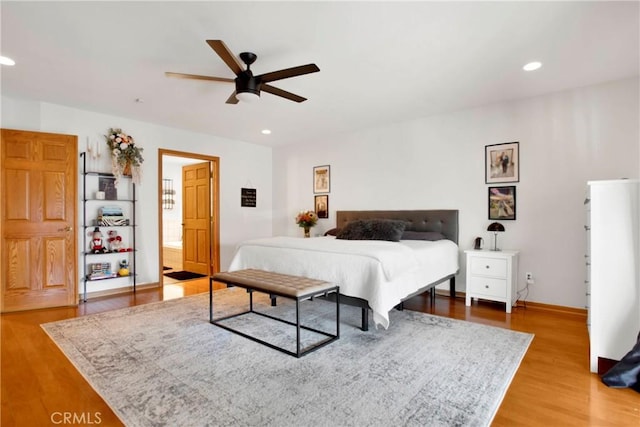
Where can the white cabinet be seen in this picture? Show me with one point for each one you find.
(492, 275)
(613, 268)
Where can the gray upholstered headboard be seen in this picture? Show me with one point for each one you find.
(444, 221)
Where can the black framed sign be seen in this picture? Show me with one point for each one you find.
(248, 197)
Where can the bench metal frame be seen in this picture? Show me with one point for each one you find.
(299, 351)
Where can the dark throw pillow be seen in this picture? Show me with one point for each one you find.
(373, 229)
(422, 235)
(332, 232)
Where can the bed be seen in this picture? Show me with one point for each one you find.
(372, 274)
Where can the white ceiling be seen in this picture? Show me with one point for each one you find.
(380, 62)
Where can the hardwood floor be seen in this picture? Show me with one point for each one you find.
(553, 386)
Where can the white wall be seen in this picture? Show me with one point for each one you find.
(437, 162)
(240, 163)
(172, 218)
(431, 163)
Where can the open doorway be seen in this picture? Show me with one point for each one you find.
(188, 210)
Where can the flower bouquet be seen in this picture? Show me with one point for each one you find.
(126, 156)
(306, 220)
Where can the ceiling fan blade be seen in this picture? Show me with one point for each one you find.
(225, 54)
(283, 93)
(232, 99)
(288, 72)
(197, 77)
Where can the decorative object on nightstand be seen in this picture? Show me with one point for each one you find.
(496, 227)
(306, 220)
(492, 275)
(479, 243)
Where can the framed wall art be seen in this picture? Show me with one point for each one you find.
(321, 204)
(321, 179)
(107, 184)
(502, 163)
(248, 197)
(502, 203)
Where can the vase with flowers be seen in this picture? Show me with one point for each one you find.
(126, 156)
(306, 220)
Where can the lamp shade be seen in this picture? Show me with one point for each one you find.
(247, 96)
(495, 226)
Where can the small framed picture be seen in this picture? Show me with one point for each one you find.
(107, 184)
(248, 197)
(502, 163)
(502, 203)
(321, 179)
(321, 204)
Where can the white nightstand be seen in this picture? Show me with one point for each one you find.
(492, 275)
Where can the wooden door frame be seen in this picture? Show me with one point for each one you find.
(214, 254)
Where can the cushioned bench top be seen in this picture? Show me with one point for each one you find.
(266, 281)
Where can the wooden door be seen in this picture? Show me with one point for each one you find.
(38, 247)
(196, 218)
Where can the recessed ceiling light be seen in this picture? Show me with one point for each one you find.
(531, 66)
(266, 132)
(7, 61)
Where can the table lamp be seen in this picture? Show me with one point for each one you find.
(496, 227)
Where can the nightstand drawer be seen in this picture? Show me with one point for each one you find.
(481, 266)
(488, 286)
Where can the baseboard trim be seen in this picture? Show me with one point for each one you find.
(121, 290)
(555, 308)
(530, 304)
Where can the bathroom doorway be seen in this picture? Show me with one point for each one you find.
(188, 207)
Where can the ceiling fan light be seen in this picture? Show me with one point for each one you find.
(248, 96)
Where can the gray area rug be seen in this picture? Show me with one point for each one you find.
(165, 364)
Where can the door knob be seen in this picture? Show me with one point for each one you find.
(67, 228)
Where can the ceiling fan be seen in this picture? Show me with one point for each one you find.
(248, 86)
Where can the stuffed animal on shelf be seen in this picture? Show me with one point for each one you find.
(115, 242)
(124, 268)
(96, 246)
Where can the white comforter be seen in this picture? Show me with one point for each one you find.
(383, 273)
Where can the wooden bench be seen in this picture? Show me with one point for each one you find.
(283, 285)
